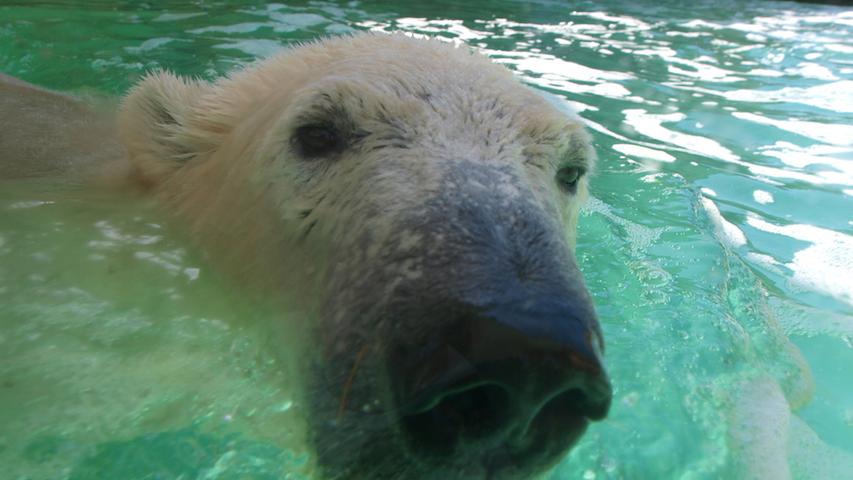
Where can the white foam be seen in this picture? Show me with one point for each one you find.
(824, 266)
(643, 152)
(726, 231)
(763, 197)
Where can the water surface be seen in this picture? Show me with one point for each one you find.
(720, 230)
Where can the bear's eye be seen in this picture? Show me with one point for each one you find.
(568, 177)
(313, 141)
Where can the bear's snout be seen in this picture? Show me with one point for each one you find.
(484, 352)
(509, 384)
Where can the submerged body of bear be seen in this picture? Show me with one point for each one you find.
(418, 205)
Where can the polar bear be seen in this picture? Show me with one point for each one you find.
(415, 201)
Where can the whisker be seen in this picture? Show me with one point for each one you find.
(348, 383)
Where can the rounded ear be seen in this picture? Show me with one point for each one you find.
(154, 124)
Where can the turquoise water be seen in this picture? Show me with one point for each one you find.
(718, 242)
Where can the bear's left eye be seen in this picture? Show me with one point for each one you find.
(313, 141)
(568, 178)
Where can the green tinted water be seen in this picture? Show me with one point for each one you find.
(721, 226)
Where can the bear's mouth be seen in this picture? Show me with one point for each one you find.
(488, 400)
(464, 430)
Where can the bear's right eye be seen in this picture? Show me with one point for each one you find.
(313, 141)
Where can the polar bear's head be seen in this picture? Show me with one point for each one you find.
(423, 203)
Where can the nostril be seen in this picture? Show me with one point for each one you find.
(566, 409)
(480, 410)
(568, 413)
(591, 400)
(556, 426)
(468, 414)
(597, 396)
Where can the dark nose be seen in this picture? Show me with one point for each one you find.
(524, 378)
